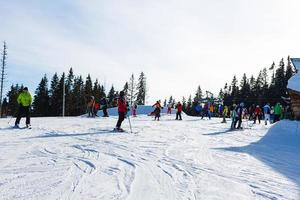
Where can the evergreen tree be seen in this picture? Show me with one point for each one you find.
(88, 87)
(12, 95)
(79, 97)
(141, 90)
(41, 105)
(198, 96)
(184, 104)
(70, 99)
(112, 95)
(125, 90)
(189, 106)
(131, 90)
(54, 96)
(244, 93)
(234, 90)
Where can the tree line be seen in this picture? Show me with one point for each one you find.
(270, 86)
(48, 100)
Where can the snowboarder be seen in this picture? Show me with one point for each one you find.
(104, 107)
(157, 110)
(24, 100)
(257, 114)
(277, 112)
(267, 112)
(122, 110)
(179, 110)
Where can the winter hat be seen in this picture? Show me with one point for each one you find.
(25, 88)
(122, 93)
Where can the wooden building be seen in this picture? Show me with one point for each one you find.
(294, 89)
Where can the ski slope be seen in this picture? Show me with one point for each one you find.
(80, 158)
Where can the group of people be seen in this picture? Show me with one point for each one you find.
(238, 112)
(93, 107)
(255, 113)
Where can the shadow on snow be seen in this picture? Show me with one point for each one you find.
(279, 149)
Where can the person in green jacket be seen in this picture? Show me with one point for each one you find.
(277, 112)
(24, 100)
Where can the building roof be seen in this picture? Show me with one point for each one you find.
(294, 82)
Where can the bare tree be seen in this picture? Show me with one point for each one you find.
(3, 66)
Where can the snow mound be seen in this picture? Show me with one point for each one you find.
(141, 110)
(294, 82)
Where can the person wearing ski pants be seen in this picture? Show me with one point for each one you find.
(179, 110)
(267, 112)
(24, 100)
(122, 109)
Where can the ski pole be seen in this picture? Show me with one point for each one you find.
(10, 119)
(129, 123)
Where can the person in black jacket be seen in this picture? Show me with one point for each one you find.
(104, 107)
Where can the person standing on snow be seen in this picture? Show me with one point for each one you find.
(233, 117)
(257, 114)
(156, 111)
(277, 112)
(134, 110)
(169, 109)
(267, 112)
(90, 107)
(224, 114)
(24, 100)
(122, 110)
(179, 110)
(239, 111)
(104, 106)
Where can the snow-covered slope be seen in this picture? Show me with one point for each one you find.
(80, 158)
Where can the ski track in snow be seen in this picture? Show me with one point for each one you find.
(80, 158)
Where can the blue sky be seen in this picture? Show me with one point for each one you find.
(178, 44)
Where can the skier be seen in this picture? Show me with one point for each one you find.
(169, 108)
(179, 110)
(96, 108)
(267, 112)
(224, 114)
(122, 110)
(257, 114)
(233, 117)
(277, 112)
(239, 112)
(24, 100)
(157, 109)
(90, 107)
(134, 109)
(104, 107)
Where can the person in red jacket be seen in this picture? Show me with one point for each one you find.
(122, 110)
(179, 110)
(257, 114)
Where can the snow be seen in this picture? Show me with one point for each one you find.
(294, 82)
(80, 158)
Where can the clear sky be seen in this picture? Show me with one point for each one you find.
(178, 44)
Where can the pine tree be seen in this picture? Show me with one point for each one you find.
(125, 90)
(198, 96)
(112, 95)
(54, 95)
(184, 104)
(234, 90)
(70, 101)
(2, 78)
(244, 92)
(41, 105)
(12, 95)
(88, 87)
(141, 90)
(131, 90)
(79, 97)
